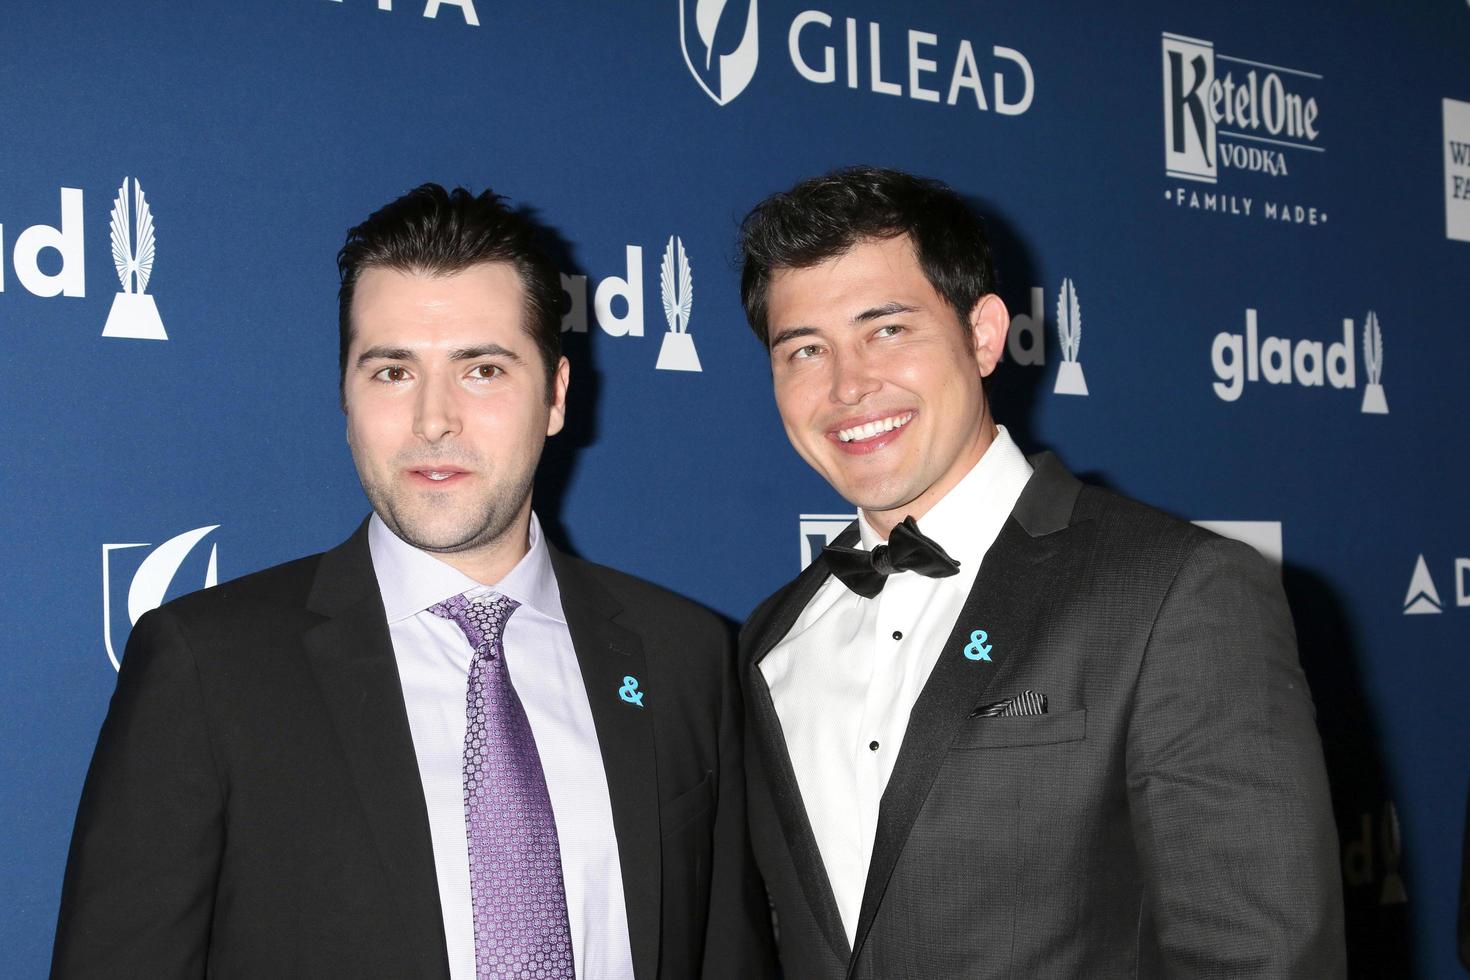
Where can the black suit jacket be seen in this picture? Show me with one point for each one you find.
(1168, 816)
(254, 807)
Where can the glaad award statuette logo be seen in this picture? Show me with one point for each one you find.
(1069, 333)
(724, 77)
(677, 352)
(1374, 402)
(152, 579)
(134, 315)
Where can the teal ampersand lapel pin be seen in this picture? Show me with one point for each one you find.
(629, 691)
(978, 648)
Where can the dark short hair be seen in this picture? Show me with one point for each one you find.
(443, 232)
(821, 218)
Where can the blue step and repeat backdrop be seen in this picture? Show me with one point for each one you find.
(1259, 211)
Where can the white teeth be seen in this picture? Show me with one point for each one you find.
(870, 429)
(436, 475)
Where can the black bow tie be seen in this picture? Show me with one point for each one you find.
(907, 550)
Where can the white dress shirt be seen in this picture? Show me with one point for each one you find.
(433, 662)
(846, 677)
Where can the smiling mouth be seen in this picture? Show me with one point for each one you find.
(877, 427)
(438, 476)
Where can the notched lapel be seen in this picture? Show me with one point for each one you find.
(351, 656)
(765, 630)
(1008, 594)
(608, 652)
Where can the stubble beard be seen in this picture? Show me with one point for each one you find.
(426, 520)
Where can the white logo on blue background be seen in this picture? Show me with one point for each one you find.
(677, 352)
(134, 315)
(1422, 597)
(1069, 334)
(820, 530)
(1264, 536)
(151, 580)
(723, 76)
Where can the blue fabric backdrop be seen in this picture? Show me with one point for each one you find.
(1262, 211)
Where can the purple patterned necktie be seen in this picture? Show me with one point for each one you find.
(516, 887)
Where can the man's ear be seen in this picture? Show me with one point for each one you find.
(990, 321)
(560, 381)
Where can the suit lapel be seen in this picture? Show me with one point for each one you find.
(607, 653)
(1008, 593)
(765, 630)
(351, 656)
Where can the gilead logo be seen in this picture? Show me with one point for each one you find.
(151, 581)
(1239, 359)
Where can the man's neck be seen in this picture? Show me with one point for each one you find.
(492, 561)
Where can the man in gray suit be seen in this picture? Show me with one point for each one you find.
(1056, 733)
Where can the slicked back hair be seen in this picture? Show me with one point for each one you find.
(824, 217)
(438, 232)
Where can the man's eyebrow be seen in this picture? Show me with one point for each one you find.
(886, 310)
(483, 350)
(791, 334)
(385, 353)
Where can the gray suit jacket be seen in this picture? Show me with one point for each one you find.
(1169, 815)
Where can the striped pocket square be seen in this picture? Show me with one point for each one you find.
(1025, 703)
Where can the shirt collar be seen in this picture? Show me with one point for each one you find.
(966, 520)
(412, 580)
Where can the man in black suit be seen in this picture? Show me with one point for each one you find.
(443, 748)
(1056, 733)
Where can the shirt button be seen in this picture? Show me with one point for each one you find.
(898, 634)
(873, 746)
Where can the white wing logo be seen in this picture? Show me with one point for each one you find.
(1069, 333)
(723, 77)
(1375, 402)
(134, 315)
(678, 299)
(132, 263)
(677, 352)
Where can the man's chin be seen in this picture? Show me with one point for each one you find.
(873, 498)
(442, 539)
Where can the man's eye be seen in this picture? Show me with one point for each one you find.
(889, 330)
(485, 371)
(394, 373)
(809, 350)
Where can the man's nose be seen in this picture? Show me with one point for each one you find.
(437, 413)
(853, 378)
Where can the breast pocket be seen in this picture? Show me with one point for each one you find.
(1013, 732)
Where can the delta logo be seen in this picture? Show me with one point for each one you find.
(1423, 596)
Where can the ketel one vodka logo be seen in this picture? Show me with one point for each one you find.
(723, 74)
(1223, 113)
(1244, 121)
(134, 315)
(150, 583)
(1238, 359)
